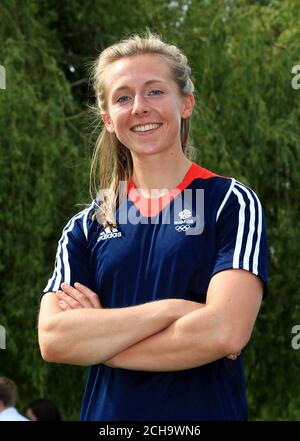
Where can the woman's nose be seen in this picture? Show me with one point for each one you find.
(140, 105)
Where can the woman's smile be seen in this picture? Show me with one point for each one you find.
(145, 129)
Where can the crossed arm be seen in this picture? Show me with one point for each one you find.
(166, 335)
(223, 326)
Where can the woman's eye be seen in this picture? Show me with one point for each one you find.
(122, 99)
(155, 92)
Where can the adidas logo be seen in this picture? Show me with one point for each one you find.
(109, 233)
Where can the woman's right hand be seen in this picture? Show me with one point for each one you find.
(78, 297)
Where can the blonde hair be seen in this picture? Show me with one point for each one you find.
(111, 160)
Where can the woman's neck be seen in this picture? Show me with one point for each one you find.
(155, 175)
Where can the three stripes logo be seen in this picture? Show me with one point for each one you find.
(109, 233)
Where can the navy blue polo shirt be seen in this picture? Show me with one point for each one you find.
(166, 247)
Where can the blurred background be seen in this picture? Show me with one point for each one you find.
(246, 125)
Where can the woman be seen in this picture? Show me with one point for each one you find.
(159, 286)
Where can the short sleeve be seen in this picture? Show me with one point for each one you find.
(72, 257)
(241, 233)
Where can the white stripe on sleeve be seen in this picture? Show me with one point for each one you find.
(84, 223)
(259, 230)
(249, 244)
(57, 259)
(240, 231)
(62, 264)
(225, 198)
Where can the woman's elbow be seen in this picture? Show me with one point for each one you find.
(48, 352)
(50, 345)
(235, 341)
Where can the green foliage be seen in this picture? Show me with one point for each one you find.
(39, 186)
(245, 125)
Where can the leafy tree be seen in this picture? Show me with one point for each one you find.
(246, 126)
(41, 176)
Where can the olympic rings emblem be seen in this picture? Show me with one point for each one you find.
(182, 228)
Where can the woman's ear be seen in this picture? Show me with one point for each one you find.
(188, 106)
(108, 122)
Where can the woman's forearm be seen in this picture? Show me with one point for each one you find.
(90, 336)
(175, 348)
(222, 327)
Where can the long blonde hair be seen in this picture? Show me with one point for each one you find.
(111, 160)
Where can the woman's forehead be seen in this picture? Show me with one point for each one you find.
(140, 68)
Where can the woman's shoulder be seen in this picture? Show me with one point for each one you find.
(81, 222)
(212, 180)
(219, 180)
(224, 190)
(211, 177)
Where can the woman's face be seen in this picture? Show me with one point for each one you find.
(144, 105)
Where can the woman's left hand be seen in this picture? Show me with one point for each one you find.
(233, 356)
(78, 297)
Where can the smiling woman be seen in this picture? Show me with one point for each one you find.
(145, 114)
(158, 307)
